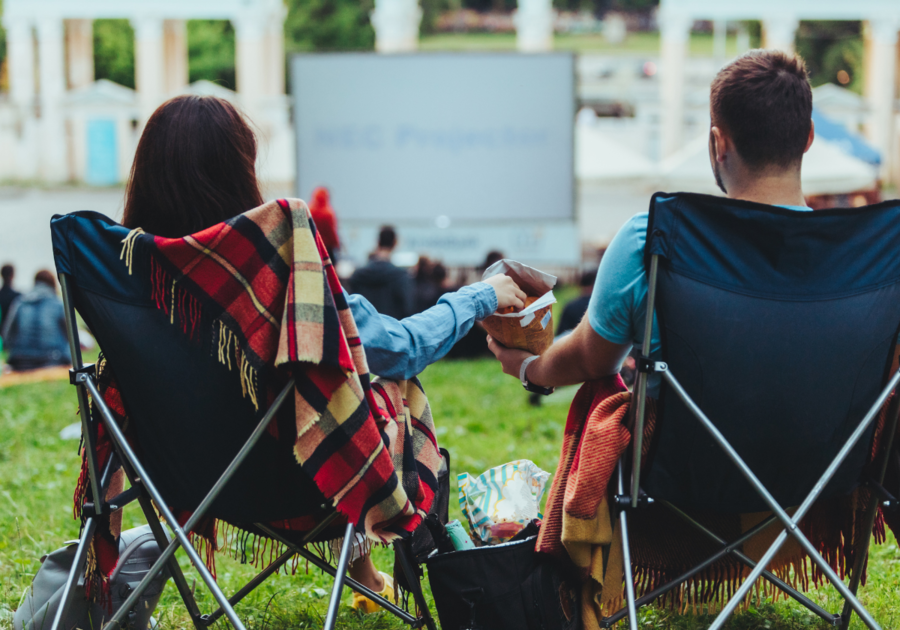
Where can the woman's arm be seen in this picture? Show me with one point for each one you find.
(401, 349)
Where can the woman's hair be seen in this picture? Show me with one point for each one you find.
(195, 166)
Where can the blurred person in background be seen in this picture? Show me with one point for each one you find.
(427, 292)
(35, 329)
(176, 189)
(325, 220)
(575, 310)
(7, 293)
(387, 287)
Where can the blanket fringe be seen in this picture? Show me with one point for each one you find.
(128, 243)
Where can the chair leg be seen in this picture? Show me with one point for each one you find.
(77, 564)
(415, 585)
(343, 561)
(862, 553)
(187, 596)
(626, 560)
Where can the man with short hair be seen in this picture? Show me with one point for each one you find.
(7, 293)
(761, 125)
(386, 286)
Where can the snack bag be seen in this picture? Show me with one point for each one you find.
(501, 501)
(531, 328)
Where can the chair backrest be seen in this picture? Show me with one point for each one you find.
(781, 325)
(187, 410)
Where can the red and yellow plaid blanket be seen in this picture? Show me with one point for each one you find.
(264, 281)
(580, 526)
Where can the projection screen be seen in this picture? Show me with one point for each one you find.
(475, 142)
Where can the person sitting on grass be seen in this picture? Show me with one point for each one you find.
(761, 111)
(35, 330)
(195, 167)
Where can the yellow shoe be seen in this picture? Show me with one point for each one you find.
(365, 605)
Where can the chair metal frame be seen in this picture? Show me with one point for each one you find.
(145, 492)
(636, 498)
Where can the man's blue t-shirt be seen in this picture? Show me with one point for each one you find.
(618, 307)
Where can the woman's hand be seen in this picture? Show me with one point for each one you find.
(508, 292)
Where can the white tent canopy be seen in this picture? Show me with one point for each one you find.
(827, 170)
(600, 158)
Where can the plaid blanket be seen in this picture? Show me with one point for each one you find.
(579, 525)
(264, 282)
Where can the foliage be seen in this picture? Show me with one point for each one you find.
(114, 51)
(211, 50)
(828, 47)
(329, 25)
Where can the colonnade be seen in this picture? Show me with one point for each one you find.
(64, 61)
(779, 29)
(396, 24)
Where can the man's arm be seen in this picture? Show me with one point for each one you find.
(582, 356)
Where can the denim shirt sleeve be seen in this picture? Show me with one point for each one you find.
(401, 349)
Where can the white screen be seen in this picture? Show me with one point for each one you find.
(409, 138)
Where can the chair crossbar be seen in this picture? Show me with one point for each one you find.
(333, 572)
(780, 584)
(272, 568)
(790, 524)
(727, 549)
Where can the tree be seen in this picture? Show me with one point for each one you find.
(328, 25)
(211, 52)
(114, 51)
(833, 52)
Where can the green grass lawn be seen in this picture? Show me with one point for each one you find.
(640, 44)
(483, 419)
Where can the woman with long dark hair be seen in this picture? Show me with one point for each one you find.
(195, 166)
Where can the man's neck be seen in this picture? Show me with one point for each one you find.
(381, 254)
(774, 189)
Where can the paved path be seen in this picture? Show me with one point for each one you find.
(25, 223)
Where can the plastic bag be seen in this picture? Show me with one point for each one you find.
(501, 501)
(531, 328)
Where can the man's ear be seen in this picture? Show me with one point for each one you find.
(812, 136)
(719, 144)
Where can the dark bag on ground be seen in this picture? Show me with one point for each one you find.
(503, 587)
(137, 553)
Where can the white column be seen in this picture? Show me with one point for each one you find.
(20, 60)
(149, 63)
(175, 56)
(275, 52)
(534, 25)
(80, 49)
(720, 40)
(881, 68)
(53, 165)
(396, 24)
(780, 31)
(675, 31)
(250, 61)
(20, 51)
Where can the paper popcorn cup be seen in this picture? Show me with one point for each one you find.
(531, 329)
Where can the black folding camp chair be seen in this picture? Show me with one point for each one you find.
(199, 444)
(781, 328)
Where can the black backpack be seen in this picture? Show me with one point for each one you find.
(503, 587)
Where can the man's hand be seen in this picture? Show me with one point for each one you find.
(510, 358)
(508, 292)
(582, 356)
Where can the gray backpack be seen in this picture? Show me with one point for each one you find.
(137, 553)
